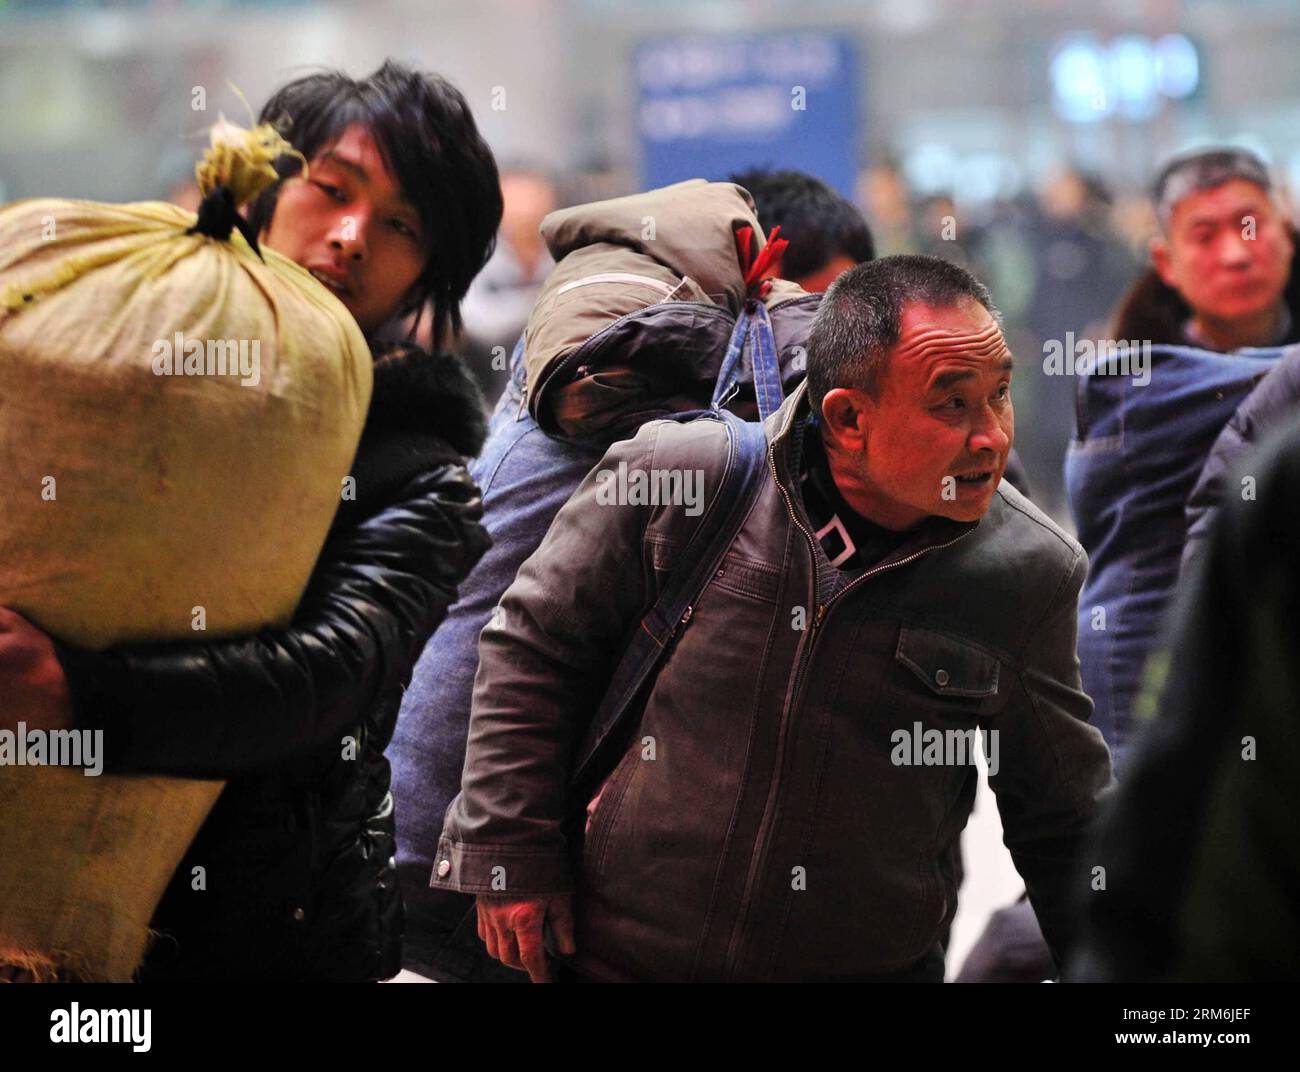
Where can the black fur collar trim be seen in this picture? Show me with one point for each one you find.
(416, 391)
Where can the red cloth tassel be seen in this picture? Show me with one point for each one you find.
(756, 269)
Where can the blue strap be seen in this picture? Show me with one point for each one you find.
(729, 373)
(762, 357)
(753, 327)
(746, 466)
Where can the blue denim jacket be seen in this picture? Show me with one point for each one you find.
(525, 477)
(1135, 458)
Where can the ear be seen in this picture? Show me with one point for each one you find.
(1162, 261)
(846, 415)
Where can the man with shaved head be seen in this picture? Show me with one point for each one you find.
(790, 804)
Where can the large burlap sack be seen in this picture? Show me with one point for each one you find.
(146, 491)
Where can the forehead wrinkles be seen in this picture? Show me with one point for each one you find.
(1226, 217)
(936, 343)
(1222, 201)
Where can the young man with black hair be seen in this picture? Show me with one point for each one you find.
(399, 208)
(439, 225)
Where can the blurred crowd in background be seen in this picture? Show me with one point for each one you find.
(1056, 258)
(1016, 139)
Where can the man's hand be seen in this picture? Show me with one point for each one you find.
(31, 679)
(512, 930)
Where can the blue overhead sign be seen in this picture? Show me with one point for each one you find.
(711, 104)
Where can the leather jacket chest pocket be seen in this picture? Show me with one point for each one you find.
(949, 668)
(936, 693)
(942, 681)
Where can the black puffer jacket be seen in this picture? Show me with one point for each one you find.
(298, 879)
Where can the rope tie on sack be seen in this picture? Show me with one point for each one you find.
(219, 215)
(238, 166)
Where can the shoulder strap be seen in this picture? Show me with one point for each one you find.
(699, 560)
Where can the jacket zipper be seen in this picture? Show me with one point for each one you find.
(757, 858)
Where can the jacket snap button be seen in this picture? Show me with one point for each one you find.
(941, 678)
(444, 868)
(299, 915)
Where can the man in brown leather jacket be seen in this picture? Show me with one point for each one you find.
(790, 806)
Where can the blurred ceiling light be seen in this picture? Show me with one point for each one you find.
(1178, 68)
(1130, 77)
(1132, 65)
(1079, 80)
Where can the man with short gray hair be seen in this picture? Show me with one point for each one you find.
(790, 805)
(1221, 275)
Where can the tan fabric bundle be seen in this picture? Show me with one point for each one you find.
(177, 415)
